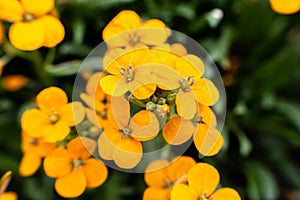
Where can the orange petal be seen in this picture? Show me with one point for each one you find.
(226, 193)
(14, 82)
(29, 164)
(114, 85)
(151, 35)
(8, 196)
(186, 105)
(203, 179)
(206, 92)
(182, 192)
(128, 153)
(26, 36)
(208, 140)
(144, 125)
(155, 173)
(112, 61)
(178, 130)
(33, 121)
(51, 99)
(106, 146)
(95, 172)
(55, 132)
(285, 6)
(141, 91)
(58, 163)
(93, 88)
(40, 7)
(152, 193)
(190, 65)
(53, 30)
(11, 10)
(72, 113)
(178, 49)
(71, 185)
(81, 147)
(119, 111)
(208, 116)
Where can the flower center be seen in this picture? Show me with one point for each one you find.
(28, 17)
(197, 119)
(186, 83)
(126, 132)
(53, 118)
(103, 113)
(77, 163)
(203, 197)
(33, 142)
(127, 72)
(134, 38)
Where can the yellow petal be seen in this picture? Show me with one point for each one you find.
(207, 115)
(178, 130)
(95, 172)
(141, 91)
(208, 140)
(114, 85)
(128, 153)
(155, 173)
(203, 179)
(54, 31)
(11, 10)
(144, 125)
(29, 164)
(33, 121)
(120, 118)
(190, 65)
(58, 163)
(26, 36)
(9, 196)
(178, 49)
(226, 193)
(153, 193)
(111, 61)
(206, 92)
(72, 113)
(186, 105)
(51, 99)
(182, 192)
(285, 6)
(81, 147)
(55, 132)
(151, 35)
(71, 185)
(40, 7)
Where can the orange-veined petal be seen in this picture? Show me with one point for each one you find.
(95, 172)
(72, 113)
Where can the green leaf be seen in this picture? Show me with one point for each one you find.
(291, 110)
(64, 69)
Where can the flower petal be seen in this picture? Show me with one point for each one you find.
(153, 193)
(72, 113)
(190, 65)
(155, 173)
(33, 121)
(178, 49)
(26, 36)
(207, 115)
(128, 153)
(8, 196)
(95, 172)
(71, 185)
(178, 130)
(285, 6)
(182, 192)
(206, 92)
(114, 85)
(152, 32)
(55, 132)
(81, 147)
(208, 140)
(40, 7)
(107, 144)
(58, 163)
(120, 118)
(53, 30)
(226, 193)
(11, 10)
(29, 164)
(203, 179)
(144, 125)
(51, 99)
(186, 105)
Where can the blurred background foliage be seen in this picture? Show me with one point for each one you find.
(258, 54)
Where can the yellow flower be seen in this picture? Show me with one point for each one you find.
(203, 179)
(160, 182)
(127, 30)
(34, 149)
(2, 34)
(285, 6)
(54, 117)
(121, 140)
(33, 25)
(4, 181)
(73, 168)
(8, 196)
(14, 82)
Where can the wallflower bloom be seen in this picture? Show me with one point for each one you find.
(202, 182)
(127, 30)
(14, 82)
(285, 6)
(121, 141)
(33, 25)
(54, 117)
(73, 168)
(34, 149)
(161, 182)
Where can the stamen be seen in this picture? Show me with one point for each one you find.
(126, 132)
(28, 17)
(53, 118)
(186, 83)
(77, 163)
(134, 38)
(127, 72)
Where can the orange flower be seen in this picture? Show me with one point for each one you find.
(97, 101)
(160, 182)
(55, 115)
(285, 6)
(14, 82)
(8, 196)
(33, 25)
(4, 181)
(73, 168)
(34, 149)
(2, 34)
(127, 30)
(202, 182)
(121, 141)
